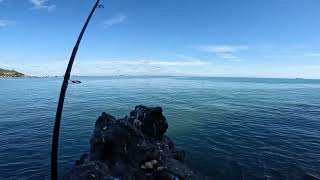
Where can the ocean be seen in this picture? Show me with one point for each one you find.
(261, 128)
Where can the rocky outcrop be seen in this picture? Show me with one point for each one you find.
(134, 147)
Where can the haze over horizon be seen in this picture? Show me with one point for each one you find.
(246, 38)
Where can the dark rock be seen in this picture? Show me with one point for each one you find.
(103, 122)
(134, 147)
(150, 120)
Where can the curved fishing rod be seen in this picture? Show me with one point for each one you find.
(56, 130)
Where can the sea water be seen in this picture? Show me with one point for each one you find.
(260, 128)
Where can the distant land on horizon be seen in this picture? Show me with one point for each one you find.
(159, 76)
(4, 73)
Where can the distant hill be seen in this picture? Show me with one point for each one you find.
(10, 73)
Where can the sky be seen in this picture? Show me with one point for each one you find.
(247, 38)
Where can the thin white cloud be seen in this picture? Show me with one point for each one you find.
(115, 19)
(312, 54)
(5, 23)
(140, 67)
(111, 67)
(174, 63)
(222, 48)
(229, 56)
(155, 67)
(51, 7)
(148, 62)
(223, 51)
(277, 52)
(42, 4)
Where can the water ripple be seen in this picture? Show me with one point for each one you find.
(257, 128)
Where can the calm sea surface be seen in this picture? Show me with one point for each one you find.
(262, 128)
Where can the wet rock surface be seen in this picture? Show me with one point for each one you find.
(133, 147)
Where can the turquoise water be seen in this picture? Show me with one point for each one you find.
(262, 128)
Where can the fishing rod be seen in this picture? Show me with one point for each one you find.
(64, 86)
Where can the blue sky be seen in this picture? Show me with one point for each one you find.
(250, 38)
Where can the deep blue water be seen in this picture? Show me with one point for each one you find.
(266, 128)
